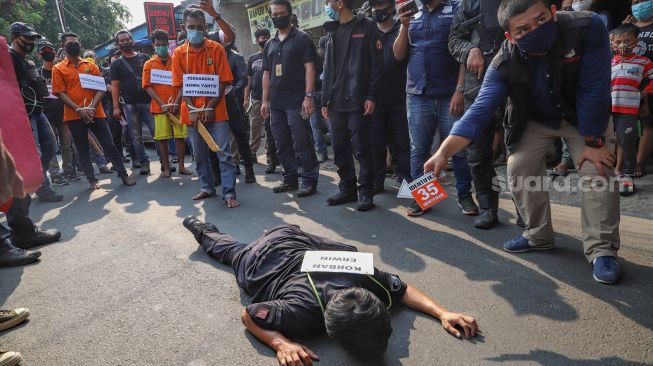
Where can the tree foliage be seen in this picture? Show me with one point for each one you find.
(96, 21)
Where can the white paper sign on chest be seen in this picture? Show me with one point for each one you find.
(201, 85)
(92, 82)
(162, 77)
(338, 262)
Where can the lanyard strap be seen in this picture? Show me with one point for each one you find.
(319, 300)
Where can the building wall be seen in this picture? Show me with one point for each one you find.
(236, 15)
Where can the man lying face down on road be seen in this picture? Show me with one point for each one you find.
(352, 308)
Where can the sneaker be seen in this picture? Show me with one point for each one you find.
(342, 197)
(467, 205)
(38, 238)
(198, 228)
(174, 160)
(522, 245)
(10, 358)
(250, 177)
(365, 203)
(626, 185)
(72, 177)
(606, 269)
(51, 196)
(487, 219)
(145, 168)
(307, 190)
(59, 180)
(322, 157)
(11, 256)
(284, 187)
(11, 318)
(415, 210)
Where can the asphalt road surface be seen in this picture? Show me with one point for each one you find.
(128, 285)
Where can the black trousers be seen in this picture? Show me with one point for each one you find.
(351, 134)
(239, 129)
(480, 160)
(390, 129)
(18, 218)
(270, 144)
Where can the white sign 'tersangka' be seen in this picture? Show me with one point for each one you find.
(338, 261)
(201, 85)
(92, 82)
(162, 77)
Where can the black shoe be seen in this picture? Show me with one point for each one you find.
(467, 205)
(284, 187)
(342, 197)
(249, 174)
(59, 180)
(136, 165)
(307, 190)
(487, 219)
(145, 168)
(198, 228)
(322, 157)
(72, 177)
(271, 169)
(39, 237)
(365, 203)
(11, 256)
(51, 196)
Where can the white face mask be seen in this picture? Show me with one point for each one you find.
(581, 5)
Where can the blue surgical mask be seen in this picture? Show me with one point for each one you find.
(643, 11)
(540, 40)
(331, 12)
(195, 36)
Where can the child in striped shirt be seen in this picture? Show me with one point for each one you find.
(628, 99)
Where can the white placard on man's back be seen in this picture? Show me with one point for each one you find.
(338, 261)
(162, 77)
(201, 85)
(92, 82)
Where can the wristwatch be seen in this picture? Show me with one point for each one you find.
(460, 88)
(310, 94)
(596, 142)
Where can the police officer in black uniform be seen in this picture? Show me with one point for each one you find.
(474, 40)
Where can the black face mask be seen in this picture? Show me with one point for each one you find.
(127, 47)
(27, 47)
(381, 16)
(48, 56)
(281, 22)
(73, 49)
(262, 44)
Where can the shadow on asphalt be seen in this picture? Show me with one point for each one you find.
(551, 358)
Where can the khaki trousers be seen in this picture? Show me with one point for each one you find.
(600, 197)
(257, 123)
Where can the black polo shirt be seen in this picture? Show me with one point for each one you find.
(282, 297)
(285, 61)
(255, 71)
(393, 79)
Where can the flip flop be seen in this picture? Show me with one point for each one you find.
(185, 172)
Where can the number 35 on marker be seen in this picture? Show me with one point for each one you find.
(428, 194)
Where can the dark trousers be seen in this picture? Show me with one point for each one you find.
(294, 141)
(351, 134)
(18, 218)
(270, 144)
(239, 127)
(480, 160)
(390, 127)
(227, 250)
(79, 130)
(626, 128)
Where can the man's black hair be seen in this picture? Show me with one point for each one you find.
(190, 8)
(626, 28)
(122, 31)
(359, 321)
(280, 2)
(159, 34)
(511, 8)
(63, 37)
(196, 13)
(349, 4)
(262, 32)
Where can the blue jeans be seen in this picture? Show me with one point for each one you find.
(425, 115)
(46, 145)
(317, 120)
(220, 133)
(135, 114)
(294, 141)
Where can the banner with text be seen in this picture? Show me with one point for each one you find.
(310, 14)
(161, 16)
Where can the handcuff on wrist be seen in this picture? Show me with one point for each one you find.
(84, 107)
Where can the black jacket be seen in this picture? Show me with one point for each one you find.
(238, 69)
(364, 62)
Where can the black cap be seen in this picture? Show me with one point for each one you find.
(23, 29)
(45, 44)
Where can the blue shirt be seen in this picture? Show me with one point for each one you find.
(432, 71)
(593, 89)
